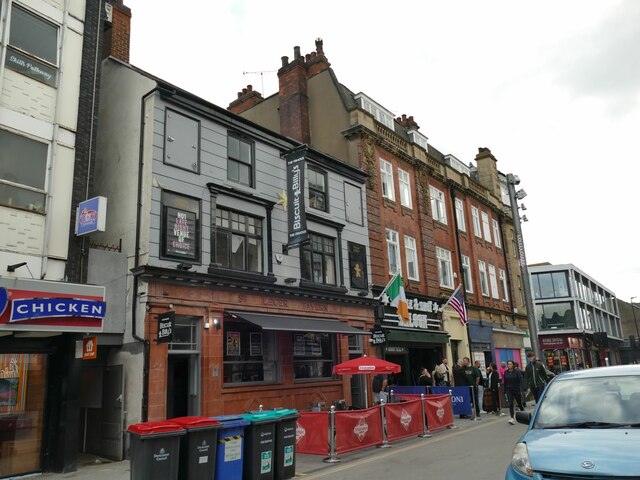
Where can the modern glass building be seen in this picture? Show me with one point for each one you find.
(577, 318)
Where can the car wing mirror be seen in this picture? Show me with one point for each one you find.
(523, 417)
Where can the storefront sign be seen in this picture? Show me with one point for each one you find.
(166, 324)
(395, 349)
(378, 336)
(91, 216)
(180, 233)
(60, 307)
(90, 348)
(30, 67)
(295, 198)
(422, 313)
(553, 342)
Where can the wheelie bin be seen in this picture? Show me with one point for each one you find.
(259, 445)
(197, 447)
(285, 449)
(230, 449)
(155, 450)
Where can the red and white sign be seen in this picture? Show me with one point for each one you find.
(90, 348)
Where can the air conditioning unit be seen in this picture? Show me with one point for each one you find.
(108, 8)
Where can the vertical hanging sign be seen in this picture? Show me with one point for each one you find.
(166, 324)
(298, 234)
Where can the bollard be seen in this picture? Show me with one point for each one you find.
(390, 396)
(260, 407)
(425, 431)
(385, 442)
(454, 426)
(332, 458)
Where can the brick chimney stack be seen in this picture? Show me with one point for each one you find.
(117, 36)
(294, 101)
(408, 122)
(488, 171)
(247, 98)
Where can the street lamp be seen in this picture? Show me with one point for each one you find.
(512, 181)
(633, 309)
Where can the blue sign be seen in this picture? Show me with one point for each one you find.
(91, 216)
(30, 308)
(4, 299)
(460, 398)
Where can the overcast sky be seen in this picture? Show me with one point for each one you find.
(551, 87)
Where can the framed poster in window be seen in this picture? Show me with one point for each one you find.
(180, 233)
(233, 343)
(255, 344)
(298, 344)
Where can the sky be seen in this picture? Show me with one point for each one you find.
(551, 87)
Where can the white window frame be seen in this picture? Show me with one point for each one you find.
(496, 233)
(484, 281)
(438, 205)
(462, 226)
(411, 252)
(393, 246)
(493, 281)
(475, 215)
(466, 274)
(503, 281)
(386, 180)
(445, 268)
(404, 183)
(486, 229)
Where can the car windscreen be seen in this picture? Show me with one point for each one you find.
(604, 402)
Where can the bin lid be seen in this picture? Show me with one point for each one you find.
(154, 428)
(192, 422)
(229, 421)
(285, 412)
(259, 417)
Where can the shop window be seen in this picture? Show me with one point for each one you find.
(556, 316)
(23, 169)
(249, 354)
(313, 355)
(237, 241)
(180, 228)
(23, 381)
(33, 46)
(550, 285)
(317, 186)
(318, 260)
(240, 162)
(185, 335)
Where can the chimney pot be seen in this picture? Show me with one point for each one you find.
(307, 57)
(239, 94)
(296, 53)
(285, 61)
(250, 88)
(319, 46)
(244, 91)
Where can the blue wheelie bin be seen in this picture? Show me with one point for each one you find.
(230, 449)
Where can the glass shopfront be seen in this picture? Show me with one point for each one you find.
(22, 406)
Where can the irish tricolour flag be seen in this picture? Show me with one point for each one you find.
(397, 298)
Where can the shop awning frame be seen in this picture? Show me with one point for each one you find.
(413, 336)
(297, 324)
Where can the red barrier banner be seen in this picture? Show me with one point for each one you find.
(439, 411)
(312, 433)
(403, 419)
(406, 396)
(356, 429)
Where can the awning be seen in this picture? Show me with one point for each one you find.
(297, 324)
(412, 336)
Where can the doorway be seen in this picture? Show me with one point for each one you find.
(183, 368)
(178, 386)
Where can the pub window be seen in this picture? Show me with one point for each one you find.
(318, 260)
(33, 46)
(358, 266)
(249, 354)
(240, 160)
(317, 182)
(237, 241)
(313, 355)
(180, 227)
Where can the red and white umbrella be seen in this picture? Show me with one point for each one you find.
(364, 365)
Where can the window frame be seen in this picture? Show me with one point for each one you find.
(438, 205)
(270, 349)
(484, 279)
(252, 165)
(404, 185)
(503, 280)
(486, 227)
(321, 172)
(466, 273)
(411, 256)
(313, 357)
(386, 180)
(459, 205)
(395, 245)
(258, 224)
(496, 233)
(475, 215)
(163, 226)
(493, 282)
(308, 249)
(445, 267)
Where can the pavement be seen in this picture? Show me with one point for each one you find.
(92, 468)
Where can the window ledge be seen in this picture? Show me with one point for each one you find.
(319, 287)
(241, 275)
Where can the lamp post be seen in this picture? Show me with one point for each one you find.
(512, 181)
(633, 309)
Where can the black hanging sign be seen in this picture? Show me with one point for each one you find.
(166, 324)
(297, 218)
(378, 336)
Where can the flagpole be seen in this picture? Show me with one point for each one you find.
(451, 296)
(387, 286)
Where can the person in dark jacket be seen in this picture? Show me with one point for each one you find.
(513, 387)
(493, 380)
(535, 376)
(425, 379)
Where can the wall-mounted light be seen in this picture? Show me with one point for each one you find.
(290, 280)
(363, 293)
(15, 266)
(184, 266)
(207, 325)
(216, 323)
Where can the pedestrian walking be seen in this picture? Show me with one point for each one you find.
(513, 387)
(535, 376)
(472, 375)
(481, 383)
(493, 391)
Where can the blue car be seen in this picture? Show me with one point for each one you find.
(586, 426)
